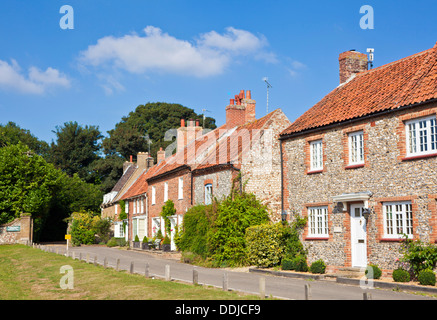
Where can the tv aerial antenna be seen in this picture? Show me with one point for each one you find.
(370, 51)
(203, 112)
(266, 80)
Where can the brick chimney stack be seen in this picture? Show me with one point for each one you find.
(240, 110)
(185, 135)
(351, 62)
(160, 155)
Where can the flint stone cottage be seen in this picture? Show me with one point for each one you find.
(206, 165)
(361, 164)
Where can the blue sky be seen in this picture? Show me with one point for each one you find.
(197, 53)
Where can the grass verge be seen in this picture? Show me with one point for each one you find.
(32, 274)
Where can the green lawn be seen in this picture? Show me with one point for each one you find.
(32, 274)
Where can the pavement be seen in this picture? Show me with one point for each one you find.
(239, 279)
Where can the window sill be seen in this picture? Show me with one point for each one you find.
(317, 238)
(393, 239)
(354, 166)
(315, 171)
(422, 156)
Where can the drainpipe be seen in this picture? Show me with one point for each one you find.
(282, 177)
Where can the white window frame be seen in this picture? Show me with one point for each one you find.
(398, 219)
(318, 222)
(126, 206)
(356, 147)
(421, 136)
(134, 201)
(142, 205)
(208, 193)
(316, 155)
(153, 195)
(165, 191)
(181, 188)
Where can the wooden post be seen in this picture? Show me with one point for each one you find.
(95, 260)
(131, 267)
(225, 282)
(117, 265)
(146, 271)
(195, 277)
(167, 272)
(367, 296)
(307, 292)
(105, 263)
(262, 287)
(87, 258)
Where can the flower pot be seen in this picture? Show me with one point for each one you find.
(136, 244)
(145, 246)
(166, 247)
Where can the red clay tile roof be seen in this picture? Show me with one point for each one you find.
(401, 83)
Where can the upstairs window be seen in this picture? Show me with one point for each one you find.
(316, 155)
(153, 195)
(356, 148)
(181, 188)
(421, 136)
(165, 191)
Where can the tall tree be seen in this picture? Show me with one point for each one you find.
(75, 150)
(146, 127)
(11, 134)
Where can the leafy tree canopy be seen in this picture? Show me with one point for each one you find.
(150, 121)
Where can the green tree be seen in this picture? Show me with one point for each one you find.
(11, 134)
(76, 149)
(151, 120)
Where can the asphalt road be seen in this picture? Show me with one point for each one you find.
(275, 286)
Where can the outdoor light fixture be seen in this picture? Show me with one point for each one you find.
(366, 213)
(284, 215)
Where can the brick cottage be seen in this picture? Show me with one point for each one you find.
(361, 164)
(205, 165)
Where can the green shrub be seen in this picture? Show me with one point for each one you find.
(193, 235)
(114, 242)
(419, 255)
(287, 264)
(300, 263)
(226, 237)
(318, 266)
(136, 238)
(376, 272)
(427, 277)
(401, 275)
(166, 240)
(264, 244)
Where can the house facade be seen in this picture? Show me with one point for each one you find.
(206, 165)
(361, 164)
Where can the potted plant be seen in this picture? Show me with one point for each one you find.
(166, 245)
(159, 238)
(145, 243)
(136, 242)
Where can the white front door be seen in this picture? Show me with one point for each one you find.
(358, 236)
(173, 220)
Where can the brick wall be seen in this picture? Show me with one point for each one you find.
(181, 205)
(24, 235)
(386, 172)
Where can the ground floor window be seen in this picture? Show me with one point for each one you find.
(318, 221)
(118, 230)
(398, 219)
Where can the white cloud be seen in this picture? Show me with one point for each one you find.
(157, 51)
(295, 67)
(36, 82)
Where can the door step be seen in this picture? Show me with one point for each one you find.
(350, 272)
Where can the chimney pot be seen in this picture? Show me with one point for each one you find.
(197, 123)
(130, 158)
(248, 94)
(241, 95)
(182, 122)
(232, 102)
